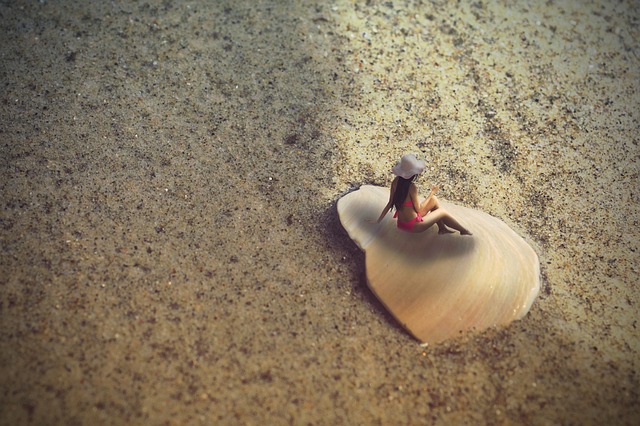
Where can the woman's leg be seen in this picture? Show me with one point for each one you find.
(437, 216)
(430, 205)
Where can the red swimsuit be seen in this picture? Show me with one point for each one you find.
(408, 226)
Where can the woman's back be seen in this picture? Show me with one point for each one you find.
(407, 212)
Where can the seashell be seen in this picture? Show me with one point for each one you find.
(439, 286)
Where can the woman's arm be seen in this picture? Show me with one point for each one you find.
(390, 203)
(413, 194)
(417, 206)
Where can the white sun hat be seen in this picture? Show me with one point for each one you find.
(408, 166)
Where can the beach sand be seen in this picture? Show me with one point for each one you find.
(170, 247)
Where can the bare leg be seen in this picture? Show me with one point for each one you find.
(442, 229)
(437, 216)
(431, 205)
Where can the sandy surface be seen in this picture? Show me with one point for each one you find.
(170, 248)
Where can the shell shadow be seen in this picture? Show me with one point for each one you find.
(427, 246)
(337, 238)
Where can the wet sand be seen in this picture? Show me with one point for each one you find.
(171, 252)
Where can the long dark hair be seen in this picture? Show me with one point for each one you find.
(402, 189)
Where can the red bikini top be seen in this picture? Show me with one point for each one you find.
(407, 204)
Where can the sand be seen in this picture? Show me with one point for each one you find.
(170, 247)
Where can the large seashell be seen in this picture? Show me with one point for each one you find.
(438, 286)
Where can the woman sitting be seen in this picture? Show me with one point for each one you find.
(412, 215)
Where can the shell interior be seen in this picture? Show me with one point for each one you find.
(439, 286)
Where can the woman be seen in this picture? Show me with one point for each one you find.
(413, 216)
